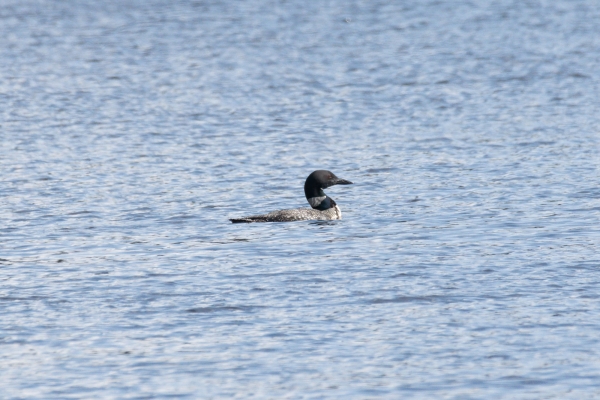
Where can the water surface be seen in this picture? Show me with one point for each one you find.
(466, 265)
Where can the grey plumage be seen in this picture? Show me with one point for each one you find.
(295, 214)
(323, 206)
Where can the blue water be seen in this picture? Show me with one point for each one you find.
(467, 264)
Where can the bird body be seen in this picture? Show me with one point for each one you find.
(323, 206)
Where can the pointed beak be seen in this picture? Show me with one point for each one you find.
(342, 182)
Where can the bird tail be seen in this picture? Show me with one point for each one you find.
(248, 220)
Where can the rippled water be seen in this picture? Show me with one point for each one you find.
(467, 263)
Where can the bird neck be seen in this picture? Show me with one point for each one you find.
(322, 202)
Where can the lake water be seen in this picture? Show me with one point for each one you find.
(467, 264)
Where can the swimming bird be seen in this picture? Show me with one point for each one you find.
(323, 206)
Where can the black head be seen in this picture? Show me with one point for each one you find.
(314, 185)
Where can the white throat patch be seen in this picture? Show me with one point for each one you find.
(315, 201)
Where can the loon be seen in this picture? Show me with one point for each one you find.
(323, 206)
